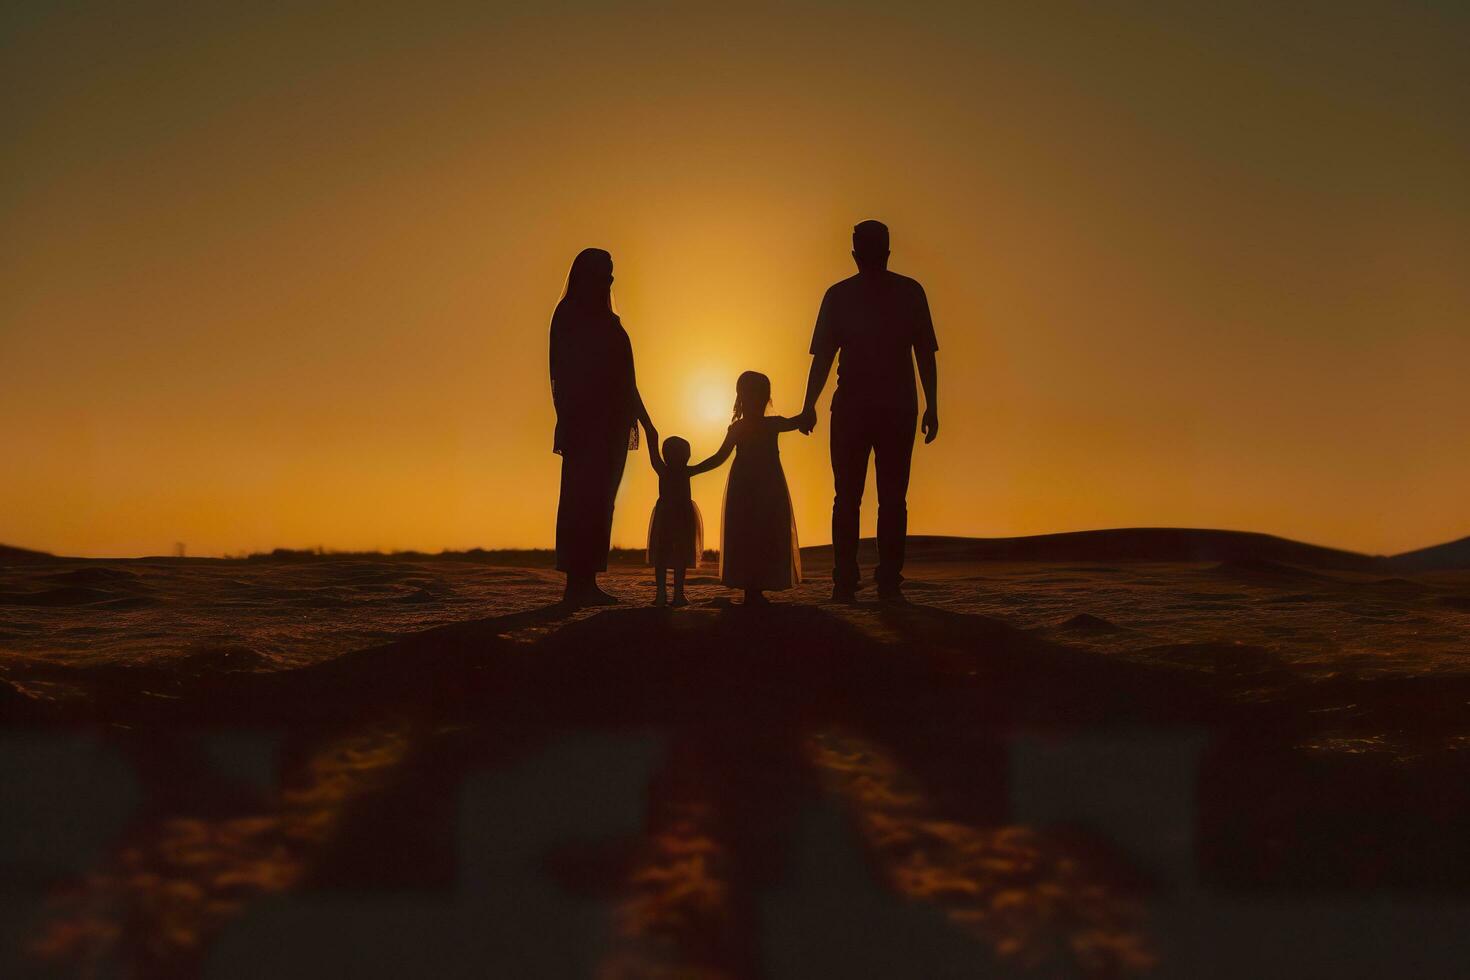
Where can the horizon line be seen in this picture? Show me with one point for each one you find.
(325, 551)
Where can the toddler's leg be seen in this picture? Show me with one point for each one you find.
(679, 574)
(661, 598)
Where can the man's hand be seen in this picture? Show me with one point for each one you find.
(930, 425)
(807, 421)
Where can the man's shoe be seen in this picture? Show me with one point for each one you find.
(892, 596)
(844, 594)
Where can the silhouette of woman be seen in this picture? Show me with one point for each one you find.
(597, 412)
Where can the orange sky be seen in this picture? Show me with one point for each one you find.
(283, 277)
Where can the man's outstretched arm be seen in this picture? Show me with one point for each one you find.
(816, 380)
(929, 378)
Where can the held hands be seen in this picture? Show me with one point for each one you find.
(930, 425)
(806, 421)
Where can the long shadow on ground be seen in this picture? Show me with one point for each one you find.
(788, 792)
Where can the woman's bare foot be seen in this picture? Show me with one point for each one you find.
(594, 596)
(584, 592)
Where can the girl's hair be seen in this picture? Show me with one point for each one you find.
(676, 449)
(752, 395)
(589, 282)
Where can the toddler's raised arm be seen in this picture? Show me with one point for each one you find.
(654, 456)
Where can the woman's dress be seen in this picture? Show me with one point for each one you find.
(758, 547)
(596, 399)
(675, 528)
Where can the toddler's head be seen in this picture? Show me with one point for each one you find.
(752, 395)
(676, 451)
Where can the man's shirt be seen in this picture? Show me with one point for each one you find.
(875, 321)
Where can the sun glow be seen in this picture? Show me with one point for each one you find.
(709, 402)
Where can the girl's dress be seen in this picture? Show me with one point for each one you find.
(675, 528)
(758, 548)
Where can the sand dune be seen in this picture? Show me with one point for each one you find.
(1454, 554)
(13, 556)
(1135, 544)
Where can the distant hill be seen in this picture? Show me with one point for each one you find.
(1172, 544)
(15, 556)
(1130, 544)
(1455, 554)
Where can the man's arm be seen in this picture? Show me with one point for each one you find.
(929, 378)
(824, 352)
(816, 380)
(925, 345)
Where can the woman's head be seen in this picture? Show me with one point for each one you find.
(676, 451)
(589, 283)
(752, 395)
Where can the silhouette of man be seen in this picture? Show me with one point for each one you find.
(873, 320)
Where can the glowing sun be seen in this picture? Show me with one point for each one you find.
(709, 402)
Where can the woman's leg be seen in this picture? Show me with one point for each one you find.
(589, 488)
(606, 481)
(573, 527)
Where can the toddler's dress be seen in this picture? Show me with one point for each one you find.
(675, 528)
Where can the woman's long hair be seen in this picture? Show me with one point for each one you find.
(752, 395)
(589, 284)
(586, 299)
(591, 366)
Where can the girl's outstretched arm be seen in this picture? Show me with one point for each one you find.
(718, 459)
(784, 424)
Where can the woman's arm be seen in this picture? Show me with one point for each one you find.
(643, 413)
(718, 459)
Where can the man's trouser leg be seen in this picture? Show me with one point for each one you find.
(851, 444)
(893, 451)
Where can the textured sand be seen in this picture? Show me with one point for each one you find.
(268, 615)
(423, 766)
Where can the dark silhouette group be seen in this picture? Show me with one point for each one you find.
(874, 325)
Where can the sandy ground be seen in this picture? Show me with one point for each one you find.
(265, 615)
(423, 766)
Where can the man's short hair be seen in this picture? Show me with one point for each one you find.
(870, 237)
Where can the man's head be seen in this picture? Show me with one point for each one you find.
(870, 245)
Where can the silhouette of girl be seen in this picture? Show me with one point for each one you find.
(676, 529)
(758, 549)
(597, 410)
